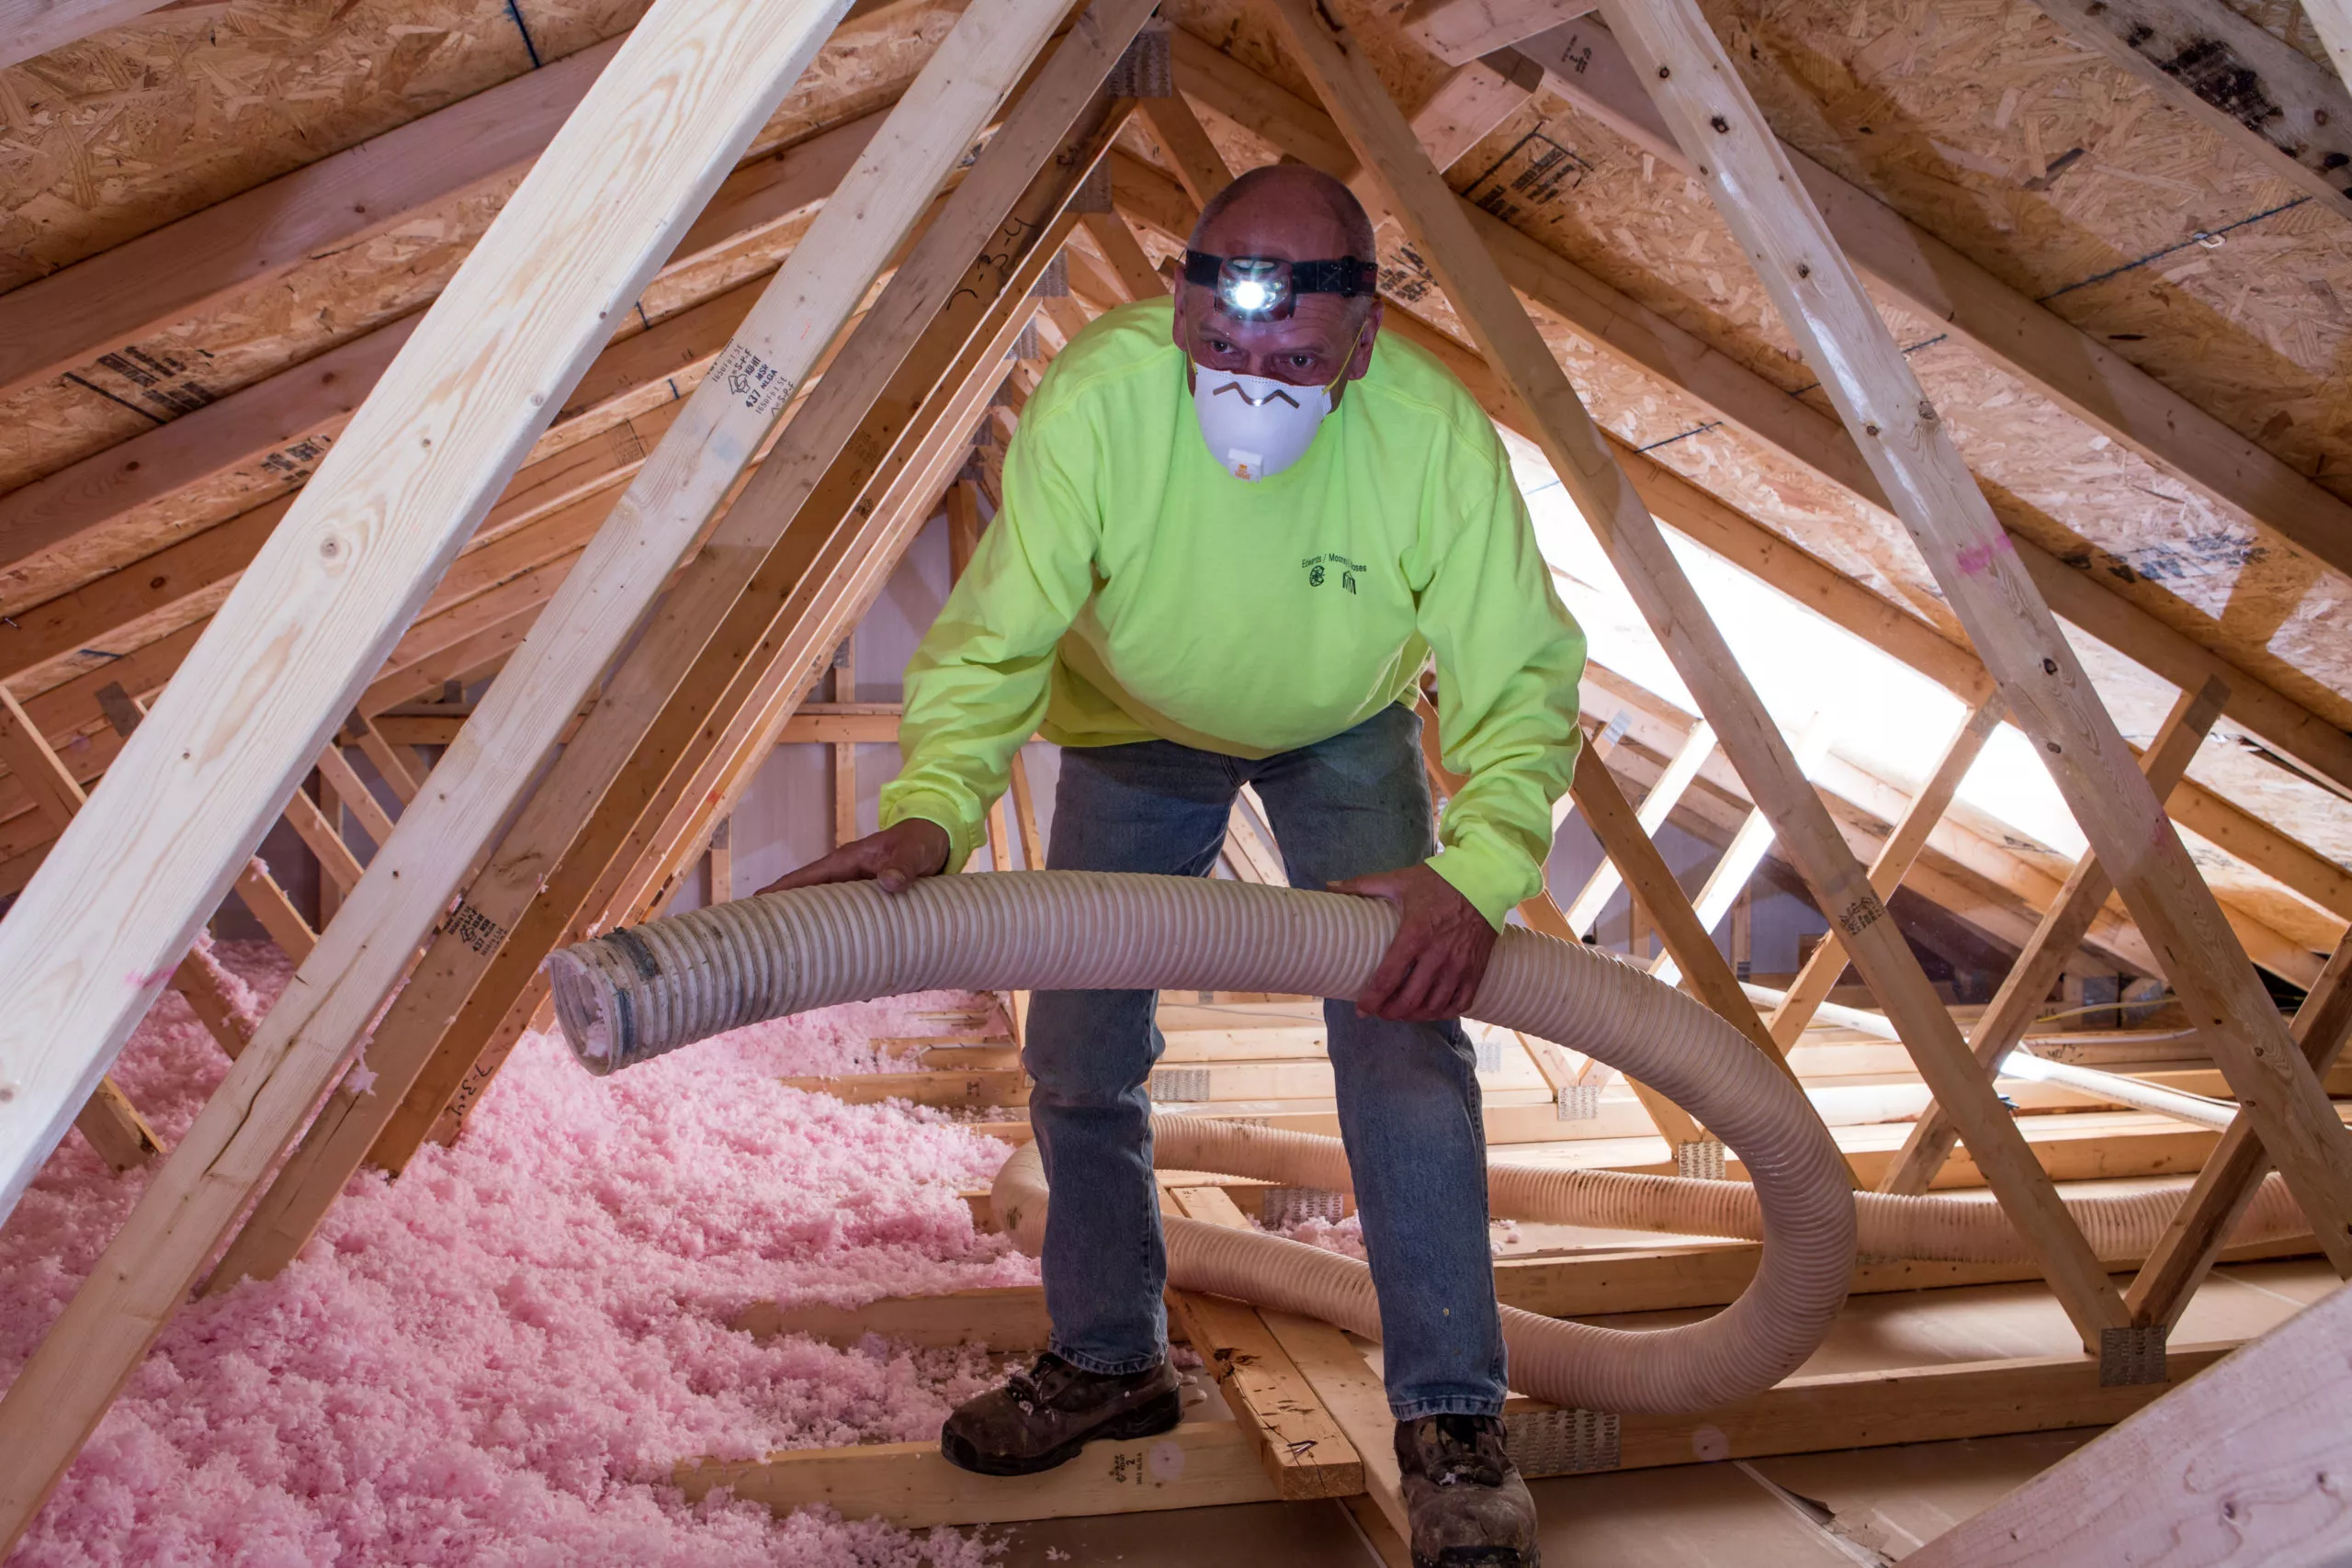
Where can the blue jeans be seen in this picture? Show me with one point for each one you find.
(1351, 805)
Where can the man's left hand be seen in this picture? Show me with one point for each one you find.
(1439, 955)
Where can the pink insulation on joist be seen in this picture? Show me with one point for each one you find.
(497, 1359)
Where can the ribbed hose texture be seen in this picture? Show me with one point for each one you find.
(641, 992)
(2121, 1226)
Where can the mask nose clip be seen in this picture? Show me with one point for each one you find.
(1238, 390)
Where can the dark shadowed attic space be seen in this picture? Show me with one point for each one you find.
(487, 487)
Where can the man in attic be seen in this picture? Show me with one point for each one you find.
(1234, 529)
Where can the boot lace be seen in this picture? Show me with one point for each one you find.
(1465, 1449)
(1038, 1388)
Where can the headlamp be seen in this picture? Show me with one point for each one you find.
(1266, 289)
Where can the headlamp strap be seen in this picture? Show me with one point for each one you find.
(1345, 275)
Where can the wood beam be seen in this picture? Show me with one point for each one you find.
(724, 610)
(1473, 101)
(690, 88)
(1304, 1452)
(1934, 1404)
(936, 451)
(1025, 815)
(473, 583)
(641, 861)
(2049, 696)
(1131, 269)
(1746, 544)
(2276, 854)
(1348, 1395)
(1984, 882)
(531, 525)
(2192, 1239)
(2265, 98)
(2237, 1467)
(844, 753)
(47, 781)
(1588, 64)
(1256, 858)
(115, 1130)
(907, 1484)
(1697, 746)
(108, 1119)
(722, 861)
(302, 407)
(292, 414)
(1749, 545)
(357, 552)
(2025, 990)
(1511, 346)
(2332, 19)
(1458, 31)
(394, 769)
(1746, 851)
(1200, 1464)
(128, 292)
(1818, 976)
(1199, 166)
(264, 898)
(1710, 978)
(1542, 914)
(169, 274)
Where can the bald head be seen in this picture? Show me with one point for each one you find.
(1287, 210)
(1284, 212)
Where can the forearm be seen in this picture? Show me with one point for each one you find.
(962, 727)
(1518, 756)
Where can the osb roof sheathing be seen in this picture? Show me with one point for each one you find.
(129, 129)
(1978, 119)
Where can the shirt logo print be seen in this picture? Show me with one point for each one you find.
(1319, 570)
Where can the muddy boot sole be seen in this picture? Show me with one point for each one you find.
(1146, 1420)
(1478, 1557)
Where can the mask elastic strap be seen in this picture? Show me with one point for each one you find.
(1345, 359)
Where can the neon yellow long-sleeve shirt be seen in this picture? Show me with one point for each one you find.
(1131, 588)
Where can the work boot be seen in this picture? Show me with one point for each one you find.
(1042, 1417)
(1468, 1506)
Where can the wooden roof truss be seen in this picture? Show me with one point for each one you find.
(499, 486)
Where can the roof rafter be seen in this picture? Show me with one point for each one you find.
(2264, 97)
(1586, 63)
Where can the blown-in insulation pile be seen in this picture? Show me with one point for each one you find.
(497, 1359)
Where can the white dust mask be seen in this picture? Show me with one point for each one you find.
(1255, 425)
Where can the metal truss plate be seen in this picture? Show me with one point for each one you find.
(1179, 1084)
(1563, 1442)
(1702, 1160)
(2131, 1356)
(1148, 69)
(1288, 1206)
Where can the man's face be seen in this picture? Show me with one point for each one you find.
(1310, 349)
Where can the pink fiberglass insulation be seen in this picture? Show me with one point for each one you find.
(497, 1359)
(1346, 1236)
(1342, 1236)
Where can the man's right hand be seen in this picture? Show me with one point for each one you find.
(896, 857)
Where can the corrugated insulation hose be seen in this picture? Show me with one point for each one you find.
(648, 989)
(1949, 1227)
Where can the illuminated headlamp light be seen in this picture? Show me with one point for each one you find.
(1265, 288)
